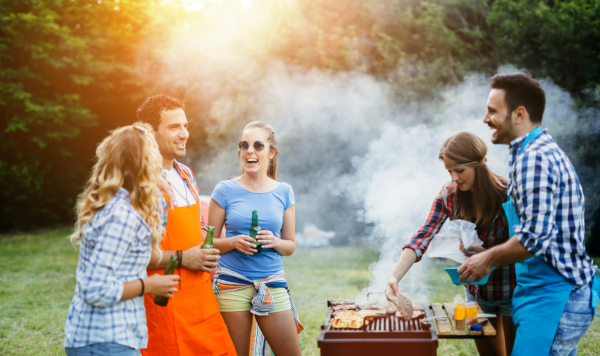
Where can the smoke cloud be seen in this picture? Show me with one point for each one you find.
(366, 166)
(361, 162)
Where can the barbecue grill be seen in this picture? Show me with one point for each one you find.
(389, 335)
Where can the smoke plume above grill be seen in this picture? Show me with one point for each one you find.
(362, 162)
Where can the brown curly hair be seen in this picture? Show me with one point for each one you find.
(150, 110)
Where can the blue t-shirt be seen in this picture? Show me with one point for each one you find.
(239, 204)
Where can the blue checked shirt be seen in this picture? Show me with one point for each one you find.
(115, 248)
(550, 204)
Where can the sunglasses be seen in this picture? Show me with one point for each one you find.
(258, 145)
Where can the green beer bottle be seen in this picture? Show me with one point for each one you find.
(163, 301)
(208, 243)
(254, 229)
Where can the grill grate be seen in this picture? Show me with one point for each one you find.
(388, 324)
(383, 336)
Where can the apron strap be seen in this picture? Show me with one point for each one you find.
(596, 293)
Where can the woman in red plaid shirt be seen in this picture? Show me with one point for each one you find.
(475, 194)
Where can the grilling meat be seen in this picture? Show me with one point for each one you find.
(334, 303)
(425, 324)
(417, 306)
(390, 308)
(344, 307)
(349, 320)
(368, 306)
(404, 305)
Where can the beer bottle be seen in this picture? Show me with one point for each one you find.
(254, 229)
(163, 301)
(208, 243)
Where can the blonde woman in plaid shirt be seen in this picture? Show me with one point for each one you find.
(117, 228)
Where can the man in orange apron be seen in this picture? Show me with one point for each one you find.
(191, 323)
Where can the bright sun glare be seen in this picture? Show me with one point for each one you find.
(197, 5)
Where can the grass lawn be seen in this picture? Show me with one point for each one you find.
(38, 280)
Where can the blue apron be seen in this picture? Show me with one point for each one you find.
(541, 291)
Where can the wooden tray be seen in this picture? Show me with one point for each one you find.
(446, 327)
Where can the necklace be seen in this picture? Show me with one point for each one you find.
(186, 192)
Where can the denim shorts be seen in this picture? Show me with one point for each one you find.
(503, 306)
(102, 349)
(574, 323)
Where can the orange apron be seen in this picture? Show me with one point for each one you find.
(191, 323)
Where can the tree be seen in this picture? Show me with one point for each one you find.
(559, 39)
(55, 58)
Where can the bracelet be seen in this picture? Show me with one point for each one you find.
(142, 294)
(179, 259)
(179, 254)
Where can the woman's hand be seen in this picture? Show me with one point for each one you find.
(391, 287)
(164, 186)
(268, 240)
(243, 244)
(472, 250)
(160, 285)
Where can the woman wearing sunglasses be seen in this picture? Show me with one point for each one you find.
(247, 282)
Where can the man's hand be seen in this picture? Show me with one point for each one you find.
(477, 266)
(472, 250)
(198, 259)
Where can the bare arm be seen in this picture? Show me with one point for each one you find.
(405, 262)
(216, 218)
(480, 265)
(194, 258)
(155, 284)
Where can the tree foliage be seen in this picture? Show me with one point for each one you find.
(558, 39)
(59, 60)
(72, 69)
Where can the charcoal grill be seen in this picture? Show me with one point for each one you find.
(385, 336)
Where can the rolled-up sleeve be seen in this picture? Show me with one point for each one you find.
(99, 285)
(437, 216)
(534, 200)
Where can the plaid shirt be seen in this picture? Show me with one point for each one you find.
(115, 248)
(189, 181)
(502, 282)
(550, 204)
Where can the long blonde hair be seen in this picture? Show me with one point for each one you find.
(484, 200)
(128, 158)
(272, 171)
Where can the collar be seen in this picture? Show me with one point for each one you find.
(122, 193)
(178, 168)
(515, 145)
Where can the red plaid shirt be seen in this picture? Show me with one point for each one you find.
(502, 282)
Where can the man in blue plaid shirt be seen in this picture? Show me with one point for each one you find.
(546, 218)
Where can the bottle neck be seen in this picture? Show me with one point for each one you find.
(209, 238)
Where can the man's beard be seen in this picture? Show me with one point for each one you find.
(168, 151)
(504, 132)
